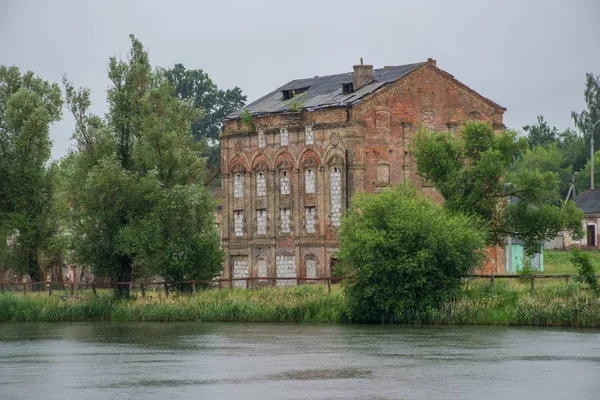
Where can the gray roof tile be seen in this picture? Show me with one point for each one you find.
(325, 91)
(589, 201)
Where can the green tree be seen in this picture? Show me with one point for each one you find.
(138, 206)
(472, 172)
(572, 146)
(215, 103)
(546, 158)
(586, 119)
(541, 133)
(28, 106)
(402, 255)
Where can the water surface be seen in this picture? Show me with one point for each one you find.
(276, 361)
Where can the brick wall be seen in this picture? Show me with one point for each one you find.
(375, 136)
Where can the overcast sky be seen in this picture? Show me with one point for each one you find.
(530, 56)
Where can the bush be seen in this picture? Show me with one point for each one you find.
(402, 255)
(587, 273)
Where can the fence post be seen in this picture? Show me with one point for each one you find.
(2, 287)
(72, 289)
(567, 278)
(24, 289)
(329, 285)
(166, 290)
(492, 279)
(193, 287)
(532, 283)
(49, 289)
(93, 288)
(142, 289)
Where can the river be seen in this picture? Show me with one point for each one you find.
(281, 361)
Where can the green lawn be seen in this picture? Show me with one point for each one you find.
(558, 262)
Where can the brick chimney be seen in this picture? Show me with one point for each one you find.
(432, 62)
(363, 75)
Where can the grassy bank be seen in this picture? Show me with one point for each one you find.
(299, 304)
(558, 262)
(505, 303)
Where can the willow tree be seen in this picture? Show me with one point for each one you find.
(138, 207)
(28, 106)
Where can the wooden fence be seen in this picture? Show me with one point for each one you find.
(250, 283)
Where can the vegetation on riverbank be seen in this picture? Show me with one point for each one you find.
(298, 304)
(554, 303)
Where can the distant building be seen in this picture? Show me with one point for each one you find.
(294, 157)
(589, 203)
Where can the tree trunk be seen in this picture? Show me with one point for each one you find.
(35, 272)
(123, 275)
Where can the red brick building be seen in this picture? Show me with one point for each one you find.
(292, 160)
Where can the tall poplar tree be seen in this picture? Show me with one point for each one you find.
(28, 106)
(134, 183)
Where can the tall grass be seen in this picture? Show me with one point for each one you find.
(300, 304)
(510, 303)
(554, 303)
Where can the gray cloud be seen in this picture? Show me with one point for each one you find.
(529, 56)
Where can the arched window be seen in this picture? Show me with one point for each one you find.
(261, 184)
(335, 178)
(238, 185)
(309, 181)
(284, 182)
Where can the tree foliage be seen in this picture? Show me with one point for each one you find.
(587, 118)
(195, 85)
(587, 273)
(138, 206)
(28, 106)
(401, 255)
(472, 171)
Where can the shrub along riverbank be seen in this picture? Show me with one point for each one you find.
(480, 303)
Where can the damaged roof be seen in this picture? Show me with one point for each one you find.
(589, 202)
(324, 91)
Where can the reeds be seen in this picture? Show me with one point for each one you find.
(554, 303)
(300, 304)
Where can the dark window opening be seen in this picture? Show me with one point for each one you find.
(347, 87)
(289, 93)
(591, 235)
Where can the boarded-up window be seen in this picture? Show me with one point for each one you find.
(285, 182)
(383, 174)
(238, 223)
(311, 267)
(283, 137)
(286, 268)
(238, 185)
(261, 222)
(309, 181)
(261, 184)
(336, 196)
(310, 215)
(261, 265)
(240, 271)
(310, 135)
(286, 217)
